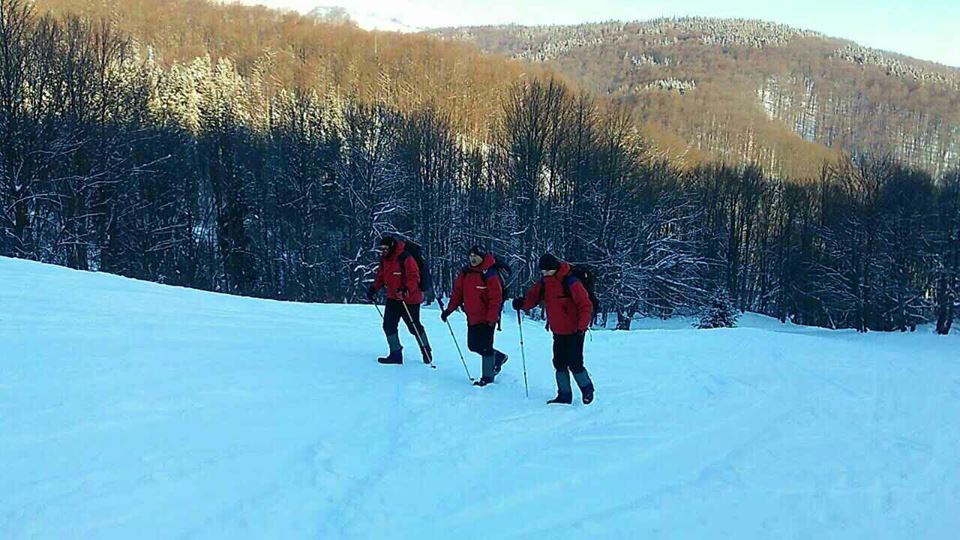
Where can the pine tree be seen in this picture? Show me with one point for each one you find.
(720, 313)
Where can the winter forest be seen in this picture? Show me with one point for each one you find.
(192, 174)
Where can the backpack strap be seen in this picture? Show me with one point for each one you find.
(402, 259)
(491, 272)
(567, 283)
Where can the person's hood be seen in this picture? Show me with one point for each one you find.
(488, 262)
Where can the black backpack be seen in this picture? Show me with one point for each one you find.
(412, 249)
(586, 275)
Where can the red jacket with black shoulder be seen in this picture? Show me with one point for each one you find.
(397, 271)
(479, 290)
(567, 313)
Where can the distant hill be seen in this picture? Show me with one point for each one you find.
(290, 50)
(751, 90)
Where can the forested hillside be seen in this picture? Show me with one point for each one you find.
(247, 151)
(752, 90)
(281, 50)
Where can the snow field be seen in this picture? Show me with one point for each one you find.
(130, 409)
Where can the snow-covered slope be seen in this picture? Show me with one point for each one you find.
(129, 410)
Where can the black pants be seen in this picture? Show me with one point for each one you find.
(568, 353)
(480, 339)
(394, 311)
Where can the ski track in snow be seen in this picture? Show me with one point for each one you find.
(130, 409)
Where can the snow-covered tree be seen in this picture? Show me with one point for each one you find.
(720, 312)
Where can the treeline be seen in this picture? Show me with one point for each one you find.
(194, 175)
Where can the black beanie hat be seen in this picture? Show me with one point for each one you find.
(388, 241)
(549, 262)
(477, 250)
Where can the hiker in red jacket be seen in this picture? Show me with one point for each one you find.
(479, 289)
(569, 312)
(399, 273)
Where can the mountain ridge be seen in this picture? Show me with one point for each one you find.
(828, 91)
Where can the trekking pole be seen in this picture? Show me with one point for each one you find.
(417, 333)
(523, 355)
(376, 305)
(462, 359)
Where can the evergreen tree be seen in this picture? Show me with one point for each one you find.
(720, 312)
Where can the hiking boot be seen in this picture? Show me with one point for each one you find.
(561, 399)
(498, 364)
(585, 384)
(395, 357)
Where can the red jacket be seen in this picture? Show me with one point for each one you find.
(482, 298)
(391, 275)
(566, 314)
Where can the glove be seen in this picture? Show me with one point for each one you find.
(403, 292)
(429, 297)
(518, 304)
(371, 292)
(444, 315)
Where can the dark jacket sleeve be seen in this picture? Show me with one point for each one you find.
(581, 299)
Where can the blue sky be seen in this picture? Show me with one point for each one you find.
(926, 29)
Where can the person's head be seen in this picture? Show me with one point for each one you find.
(549, 264)
(387, 245)
(476, 255)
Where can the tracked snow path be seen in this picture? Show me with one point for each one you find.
(129, 409)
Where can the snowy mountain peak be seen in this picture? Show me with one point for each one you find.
(330, 14)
